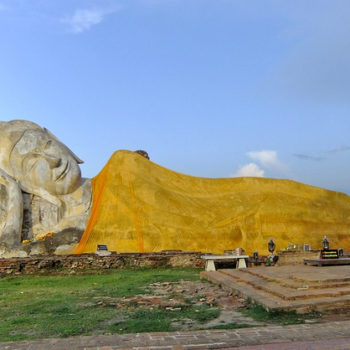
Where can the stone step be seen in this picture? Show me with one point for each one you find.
(241, 289)
(283, 292)
(273, 303)
(296, 283)
(307, 274)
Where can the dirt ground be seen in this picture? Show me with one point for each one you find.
(174, 295)
(205, 293)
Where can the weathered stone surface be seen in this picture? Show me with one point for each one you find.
(142, 153)
(71, 263)
(42, 193)
(286, 257)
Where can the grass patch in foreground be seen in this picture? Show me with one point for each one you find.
(160, 320)
(258, 313)
(33, 307)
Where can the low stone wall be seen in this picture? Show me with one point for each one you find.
(71, 263)
(294, 257)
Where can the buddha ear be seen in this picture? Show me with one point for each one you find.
(79, 161)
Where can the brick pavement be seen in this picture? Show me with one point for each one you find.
(334, 344)
(320, 336)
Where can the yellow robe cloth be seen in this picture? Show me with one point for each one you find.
(139, 206)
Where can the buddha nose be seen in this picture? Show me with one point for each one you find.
(54, 162)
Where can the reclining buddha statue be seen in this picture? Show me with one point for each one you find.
(41, 191)
(135, 205)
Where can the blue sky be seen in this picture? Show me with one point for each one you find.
(212, 88)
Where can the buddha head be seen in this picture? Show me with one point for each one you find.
(37, 159)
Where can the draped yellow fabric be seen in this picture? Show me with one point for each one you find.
(139, 206)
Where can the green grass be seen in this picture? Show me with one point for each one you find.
(159, 320)
(258, 313)
(34, 307)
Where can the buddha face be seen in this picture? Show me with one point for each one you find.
(40, 161)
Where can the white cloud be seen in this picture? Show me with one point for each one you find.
(83, 19)
(250, 169)
(266, 158)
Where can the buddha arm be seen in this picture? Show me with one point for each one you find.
(40, 192)
(10, 233)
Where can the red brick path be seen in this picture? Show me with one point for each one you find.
(322, 336)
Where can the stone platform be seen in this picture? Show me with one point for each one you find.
(301, 288)
(327, 262)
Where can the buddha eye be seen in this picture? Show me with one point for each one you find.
(47, 145)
